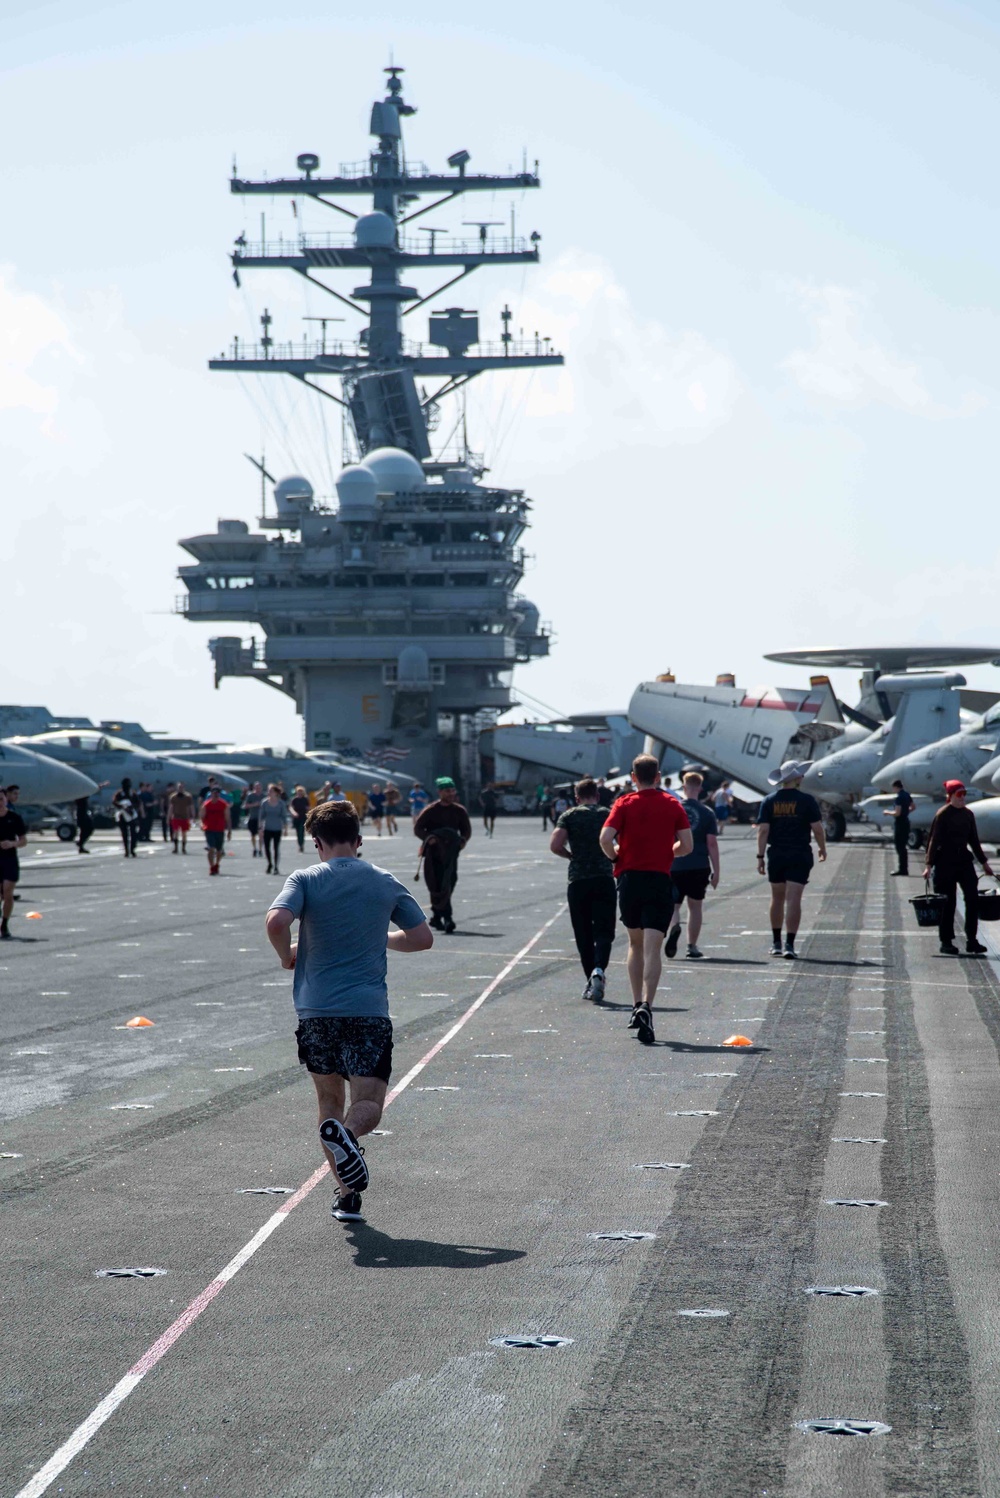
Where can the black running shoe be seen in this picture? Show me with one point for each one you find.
(348, 1156)
(5, 932)
(644, 1025)
(596, 985)
(949, 949)
(436, 923)
(976, 949)
(449, 928)
(790, 952)
(776, 949)
(348, 1208)
(671, 944)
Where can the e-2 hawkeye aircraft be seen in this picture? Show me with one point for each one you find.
(745, 734)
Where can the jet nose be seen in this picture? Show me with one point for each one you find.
(985, 778)
(67, 784)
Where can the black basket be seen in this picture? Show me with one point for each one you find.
(988, 904)
(928, 909)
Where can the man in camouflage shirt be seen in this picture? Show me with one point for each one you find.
(591, 892)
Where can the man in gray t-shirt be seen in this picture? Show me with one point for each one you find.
(344, 908)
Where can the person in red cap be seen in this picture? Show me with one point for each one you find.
(953, 841)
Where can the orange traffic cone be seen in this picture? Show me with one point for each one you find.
(140, 1022)
(738, 1040)
(33, 915)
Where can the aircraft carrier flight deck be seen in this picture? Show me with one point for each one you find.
(697, 1250)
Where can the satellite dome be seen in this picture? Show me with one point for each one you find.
(395, 470)
(413, 666)
(375, 231)
(357, 489)
(293, 494)
(461, 478)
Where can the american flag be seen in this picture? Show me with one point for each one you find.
(389, 755)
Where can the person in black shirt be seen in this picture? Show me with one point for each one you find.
(787, 822)
(13, 836)
(954, 838)
(488, 801)
(591, 892)
(126, 804)
(900, 810)
(443, 829)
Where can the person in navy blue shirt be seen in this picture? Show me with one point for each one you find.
(900, 809)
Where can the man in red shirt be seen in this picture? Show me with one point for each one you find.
(216, 825)
(644, 832)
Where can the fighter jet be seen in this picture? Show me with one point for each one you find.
(927, 706)
(987, 779)
(277, 762)
(42, 780)
(104, 757)
(959, 756)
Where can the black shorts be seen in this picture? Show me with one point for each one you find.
(10, 868)
(215, 840)
(690, 884)
(346, 1046)
(252, 825)
(646, 900)
(789, 867)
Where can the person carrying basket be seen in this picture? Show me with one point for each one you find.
(953, 841)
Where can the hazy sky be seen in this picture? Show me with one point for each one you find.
(769, 254)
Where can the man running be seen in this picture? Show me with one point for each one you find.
(723, 803)
(693, 872)
(444, 829)
(418, 800)
(251, 806)
(591, 890)
(392, 800)
(488, 801)
(344, 907)
(217, 826)
(182, 814)
(376, 805)
(13, 837)
(644, 831)
(953, 840)
(786, 823)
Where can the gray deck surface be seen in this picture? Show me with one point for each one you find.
(358, 1360)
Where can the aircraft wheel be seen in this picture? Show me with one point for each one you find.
(916, 839)
(65, 832)
(836, 825)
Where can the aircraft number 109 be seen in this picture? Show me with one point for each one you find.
(756, 746)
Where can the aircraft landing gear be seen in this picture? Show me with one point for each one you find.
(835, 824)
(916, 838)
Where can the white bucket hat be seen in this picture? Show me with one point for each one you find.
(792, 769)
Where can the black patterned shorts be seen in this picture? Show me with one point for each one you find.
(347, 1046)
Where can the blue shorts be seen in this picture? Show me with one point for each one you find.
(789, 866)
(722, 813)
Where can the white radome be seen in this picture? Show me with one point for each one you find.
(375, 231)
(396, 471)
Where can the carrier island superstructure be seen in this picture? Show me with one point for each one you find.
(392, 618)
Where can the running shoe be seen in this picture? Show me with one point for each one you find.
(436, 923)
(790, 952)
(5, 932)
(597, 985)
(449, 928)
(348, 1156)
(348, 1208)
(588, 992)
(949, 949)
(776, 949)
(976, 949)
(644, 1025)
(671, 944)
(694, 952)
